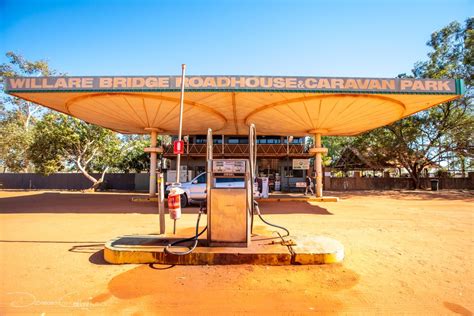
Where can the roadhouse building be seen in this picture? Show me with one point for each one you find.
(276, 155)
(279, 106)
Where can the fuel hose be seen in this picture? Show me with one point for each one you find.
(193, 238)
(268, 223)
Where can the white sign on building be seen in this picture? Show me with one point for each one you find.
(300, 164)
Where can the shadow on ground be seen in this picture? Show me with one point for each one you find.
(448, 195)
(98, 258)
(458, 309)
(291, 207)
(83, 203)
(120, 203)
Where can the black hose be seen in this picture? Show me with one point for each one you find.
(194, 238)
(270, 224)
(251, 220)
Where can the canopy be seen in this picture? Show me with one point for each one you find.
(228, 104)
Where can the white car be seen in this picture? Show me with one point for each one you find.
(195, 190)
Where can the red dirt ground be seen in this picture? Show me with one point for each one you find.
(406, 252)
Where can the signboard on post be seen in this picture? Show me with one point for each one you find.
(178, 147)
(300, 164)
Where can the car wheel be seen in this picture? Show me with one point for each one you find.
(184, 200)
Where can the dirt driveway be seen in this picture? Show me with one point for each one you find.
(408, 252)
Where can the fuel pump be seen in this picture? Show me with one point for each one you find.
(229, 205)
(230, 209)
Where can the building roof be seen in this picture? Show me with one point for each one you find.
(352, 159)
(228, 104)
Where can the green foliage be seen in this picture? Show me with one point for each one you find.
(19, 66)
(61, 141)
(335, 146)
(423, 139)
(14, 142)
(134, 158)
(17, 116)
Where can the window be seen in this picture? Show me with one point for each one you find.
(200, 140)
(268, 140)
(298, 173)
(296, 140)
(201, 178)
(295, 173)
(238, 140)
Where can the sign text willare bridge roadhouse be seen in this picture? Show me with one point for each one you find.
(227, 83)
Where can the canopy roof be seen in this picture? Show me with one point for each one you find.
(228, 104)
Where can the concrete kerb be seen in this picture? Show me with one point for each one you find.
(264, 250)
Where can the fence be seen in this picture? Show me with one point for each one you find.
(139, 182)
(66, 181)
(360, 183)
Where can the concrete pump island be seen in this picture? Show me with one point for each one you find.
(241, 107)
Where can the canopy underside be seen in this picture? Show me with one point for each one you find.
(229, 113)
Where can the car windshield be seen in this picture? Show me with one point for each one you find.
(201, 178)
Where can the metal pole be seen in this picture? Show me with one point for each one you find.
(181, 106)
(318, 163)
(180, 132)
(161, 201)
(153, 156)
(253, 162)
(223, 145)
(287, 169)
(209, 157)
(187, 159)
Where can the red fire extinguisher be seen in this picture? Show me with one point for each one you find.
(174, 203)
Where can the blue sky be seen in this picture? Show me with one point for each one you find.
(321, 38)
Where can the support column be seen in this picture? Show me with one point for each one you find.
(153, 150)
(318, 150)
(153, 165)
(319, 167)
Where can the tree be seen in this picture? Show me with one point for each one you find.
(425, 138)
(14, 143)
(335, 145)
(61, 141)
(17, 116)
(134, 158)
